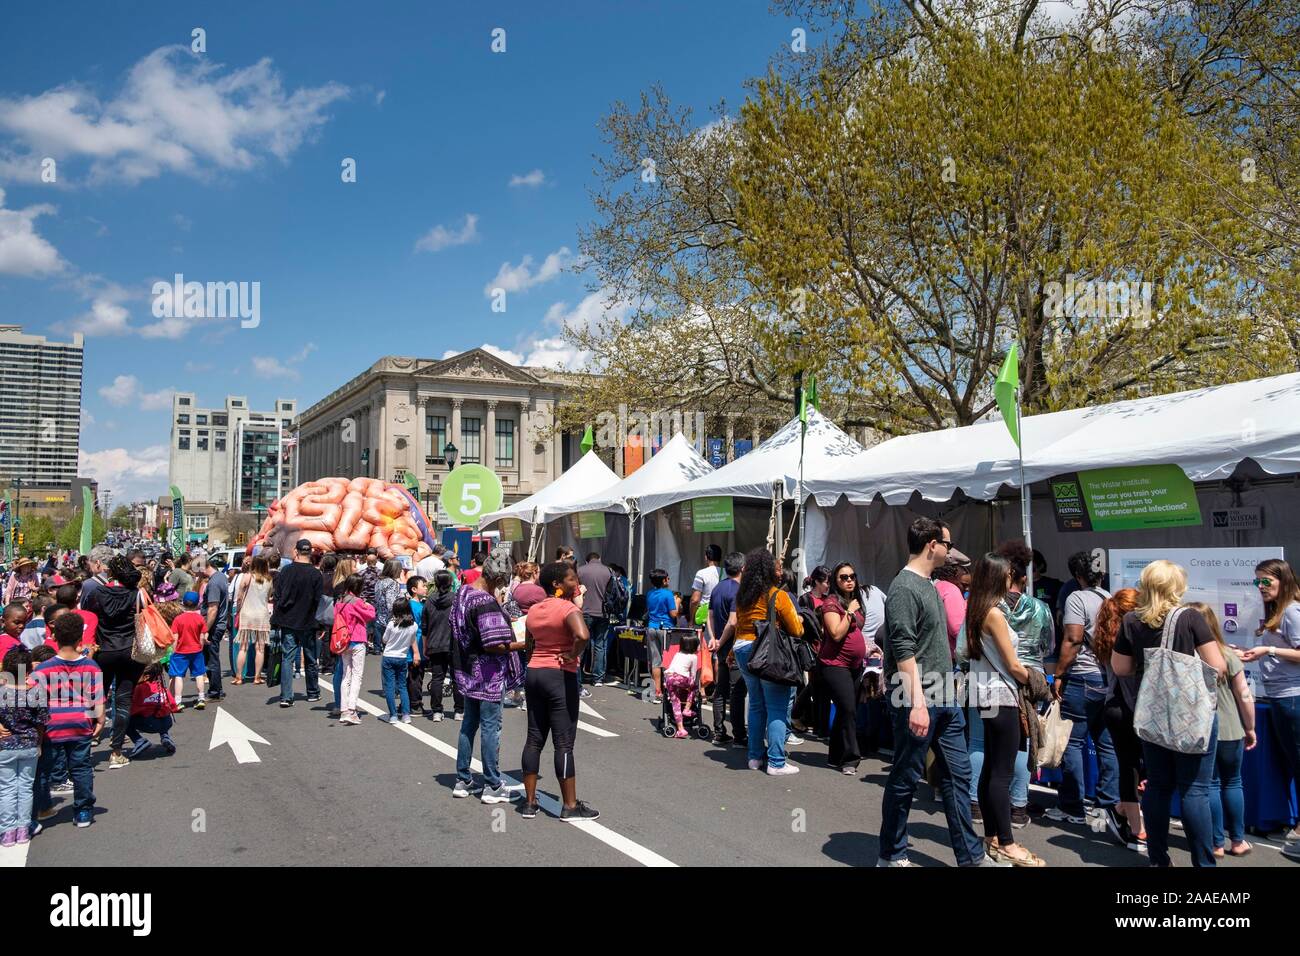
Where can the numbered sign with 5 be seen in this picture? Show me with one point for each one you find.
(470, 492)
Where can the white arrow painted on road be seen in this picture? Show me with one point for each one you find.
(585, 708)
(227, 730)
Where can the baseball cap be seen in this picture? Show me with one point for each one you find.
(191, 597)
(303, 546)
(957, 558)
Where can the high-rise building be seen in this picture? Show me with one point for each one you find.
(40, 408)
(233, 455)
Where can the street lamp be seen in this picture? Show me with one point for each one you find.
(450, 451)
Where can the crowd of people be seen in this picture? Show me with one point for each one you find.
(954, 657)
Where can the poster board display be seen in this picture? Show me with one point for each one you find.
(712, 515)
(591, 524)
(1130, 498)
(512, 529)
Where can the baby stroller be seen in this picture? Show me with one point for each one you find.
(695, 723)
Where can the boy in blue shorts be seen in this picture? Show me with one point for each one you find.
(191, 630)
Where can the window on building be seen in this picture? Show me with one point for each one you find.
(183, 441)
(203, 444)
(505, 443)
(203, 433)
(287, 424)
(436, 426)
(183, 401)
(220, 418)
(220, 442)
(182, 419)
(471, 435)
(200, 419)
(236, 403)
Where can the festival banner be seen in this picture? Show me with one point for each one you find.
(6, 531)
(178, 521)
(717, 455)
(743, 447)
(512, 529)
(713, 515)
(591, 524)
(87, 519)
(685, 513)
(633, 455)
(470, 492)
(1128, 498)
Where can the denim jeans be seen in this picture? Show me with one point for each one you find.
(141, 724)
(947, 735)
(17, 784)
(338, 681)
(77, 755)
(290, 643)
(1190, 775)
(598, 627)
(212, 660)
(487, 713)
(769, 711)
(1084, 701)
(1284, 719)
(394, 674)
(1019, 780)
(1227, 799)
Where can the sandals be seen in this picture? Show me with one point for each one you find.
(257, 680)
(237, 681)
(1030, 859)
(1245, 849)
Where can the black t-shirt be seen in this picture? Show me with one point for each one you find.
(1190, 632)
(116, 607)
(298, 589)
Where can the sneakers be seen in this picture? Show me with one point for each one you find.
(756, 765)
(721, 738)
(1060, 816)
(463, 789)
(8, 838)
(1292, 835)
(785, 770)
(180, 706)
(498, 794)
(579, 811)
(119, 760)
(584, 693)
(406, 718)
(528, 810)
(140, 747)
(349, 719)
(83, 818)
(169, 745)
(219, 695)
(457, 715)
(1292, 850)
(740, 742)
(286, 703)
(388, 718)
(65, 787)
(334, 713)
(22, 835)
(200, 704)
(33, 829)
(1116, 824)
(1019, 818)
(793, 740)
(901, 861)
(313, 700)
(437, 717)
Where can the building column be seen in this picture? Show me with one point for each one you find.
(455, 437)
(490, 439)
(421, 435)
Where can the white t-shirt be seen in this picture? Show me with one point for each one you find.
(429, 566)
(706, 579)
(873, 610)
(398, 640)
(684, 664)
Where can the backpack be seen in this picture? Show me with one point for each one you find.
(616, 596)
(340, 636)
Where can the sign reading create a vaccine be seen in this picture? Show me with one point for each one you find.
(1125, 499)
(710, 515)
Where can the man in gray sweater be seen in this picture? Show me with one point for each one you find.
(918, 673)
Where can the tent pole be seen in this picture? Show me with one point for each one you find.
(778, 543)
(640, 561)
(1025, 517)
(631, 537)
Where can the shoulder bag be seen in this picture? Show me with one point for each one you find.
(774, 657)
(1177, 697)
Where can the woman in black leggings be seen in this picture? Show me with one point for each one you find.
(557, 635)
(995, 676)
(115, 603)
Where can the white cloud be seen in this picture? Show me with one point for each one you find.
(131, 474)
(268, 366)
(440, 237)
(183, 222)
(126, 390)
(532, 180)
(593, 309)
(508, 355)
(169, 328)
(301, 354)
(106, 316)
(198, 368)
(22, 251)
(176, 112)
(86, 418)
(521, 277)
(556, 353)
(379, 97)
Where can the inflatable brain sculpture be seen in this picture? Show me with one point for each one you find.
(348, 514)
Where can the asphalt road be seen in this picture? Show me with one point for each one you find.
(377, 794)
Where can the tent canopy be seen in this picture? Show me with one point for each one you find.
(675, 464)
(1207, 432)
(588, 476)
(774, 461)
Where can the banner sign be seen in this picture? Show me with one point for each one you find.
(512, 529)
(470, 492)
(717, 455)
(1237, 519)
(743, 447)
(5, 530)
(713, 514)
(1125, 499)
(591, 524)
(178, 521)
(684, 513)
(460, 542)
(1223, 578)
(87, 519)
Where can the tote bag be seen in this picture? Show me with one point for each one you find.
(775, 657)
(153, 638)
(1177, 698)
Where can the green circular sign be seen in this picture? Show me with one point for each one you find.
(470, 492)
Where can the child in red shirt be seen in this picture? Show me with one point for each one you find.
(191, 630)
(152, 706)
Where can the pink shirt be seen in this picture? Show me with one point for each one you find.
(954, 606)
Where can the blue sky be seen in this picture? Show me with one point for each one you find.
(472, 171)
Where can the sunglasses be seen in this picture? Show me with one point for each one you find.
(848, 577)
(1263, 582)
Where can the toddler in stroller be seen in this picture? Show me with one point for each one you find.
(682, 687)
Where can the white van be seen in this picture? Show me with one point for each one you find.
(233, 557)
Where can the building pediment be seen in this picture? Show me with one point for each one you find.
(475, 365)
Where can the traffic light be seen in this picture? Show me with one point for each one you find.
(21, 536)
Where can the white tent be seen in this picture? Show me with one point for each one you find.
(675, 464)
(588, 476)
(774, 462)
(1207, 432)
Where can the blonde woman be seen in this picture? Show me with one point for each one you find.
(1236, 736)
(254, 598)
(1161, 591)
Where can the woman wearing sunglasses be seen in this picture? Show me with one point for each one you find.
(840, 658)
(1278, 653)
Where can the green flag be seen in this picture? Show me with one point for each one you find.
(808, 399)
(1005, 389)
(588, 440)
(87, 519)
(412, 484)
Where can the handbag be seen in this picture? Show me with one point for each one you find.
(325, 612)
(274, 660)
(153, 637)
(1056, 736)
(774, 657)
(1177, 698)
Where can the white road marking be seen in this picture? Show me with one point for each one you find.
(585, 708)
(227, 730)
(14, 855)
(598, 731)
(643, 855)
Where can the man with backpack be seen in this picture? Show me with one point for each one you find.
(597, 578)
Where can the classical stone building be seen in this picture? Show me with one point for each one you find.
(399, 415)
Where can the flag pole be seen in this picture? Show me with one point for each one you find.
(1026, 523)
